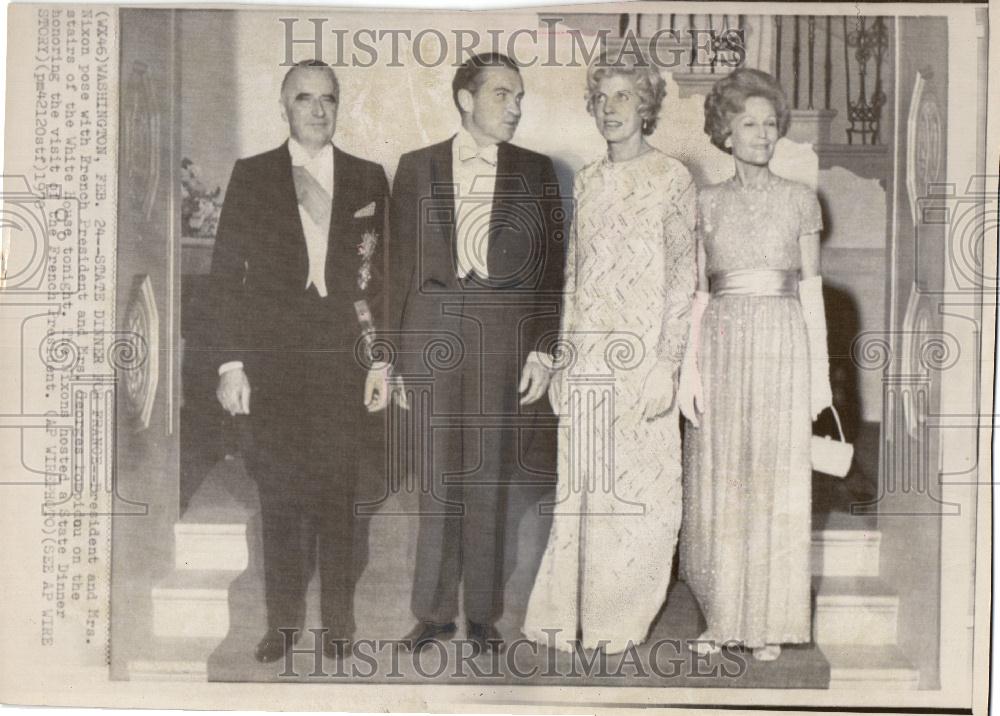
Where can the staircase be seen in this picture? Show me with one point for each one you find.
(191, 614)
(855, 613)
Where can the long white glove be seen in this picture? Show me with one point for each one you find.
(689, 393)
(811, 297)
(556, 393)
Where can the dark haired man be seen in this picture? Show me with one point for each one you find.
(477, 261)
(296, 275)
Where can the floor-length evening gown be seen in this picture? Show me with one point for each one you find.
(630, 278)
(747, 496)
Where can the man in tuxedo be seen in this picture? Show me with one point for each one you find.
(476, 265)
(297, 280)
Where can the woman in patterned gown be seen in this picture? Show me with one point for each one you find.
(755, 373)
(630, 281)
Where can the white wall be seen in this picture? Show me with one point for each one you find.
(386, 111)
(855, 264)
(210, 120)
(231, 87)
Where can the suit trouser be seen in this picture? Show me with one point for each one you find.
(308, 422)
(460, 540)
(462, 518)
(294, 534)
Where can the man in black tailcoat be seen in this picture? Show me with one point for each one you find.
(477, 267)
(297, 279)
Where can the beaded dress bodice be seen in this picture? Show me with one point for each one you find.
(756, 227)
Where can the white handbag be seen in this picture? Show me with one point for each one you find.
(829, 456)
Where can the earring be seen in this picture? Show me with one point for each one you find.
(645, 125)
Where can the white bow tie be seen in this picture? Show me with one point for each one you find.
(487, 154)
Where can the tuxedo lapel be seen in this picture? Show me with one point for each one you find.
(287, 204)
(336, 240)
(443, 179)
(508, 182)
(443, 192)
(342, 186)
(505, 170)
(286, 200)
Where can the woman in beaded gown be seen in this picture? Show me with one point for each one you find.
(755, 374)
(630, 279)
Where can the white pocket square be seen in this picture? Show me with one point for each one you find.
(365, 211)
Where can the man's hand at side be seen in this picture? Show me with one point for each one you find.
(377, 387)
(234, 392)
(535, 379)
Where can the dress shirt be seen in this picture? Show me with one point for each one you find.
(320, 167)
(474, 170)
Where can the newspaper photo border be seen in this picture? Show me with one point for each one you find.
(725, 699)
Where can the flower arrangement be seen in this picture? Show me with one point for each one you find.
(200, 208)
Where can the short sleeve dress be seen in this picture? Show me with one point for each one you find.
(745, 536)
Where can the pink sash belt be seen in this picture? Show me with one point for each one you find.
(755, 282)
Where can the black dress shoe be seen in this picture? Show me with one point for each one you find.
(273, 646)
(425, 632)
(485, 637)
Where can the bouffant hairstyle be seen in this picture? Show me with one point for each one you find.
(728, 98)
(469, 74)
(646, 78)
